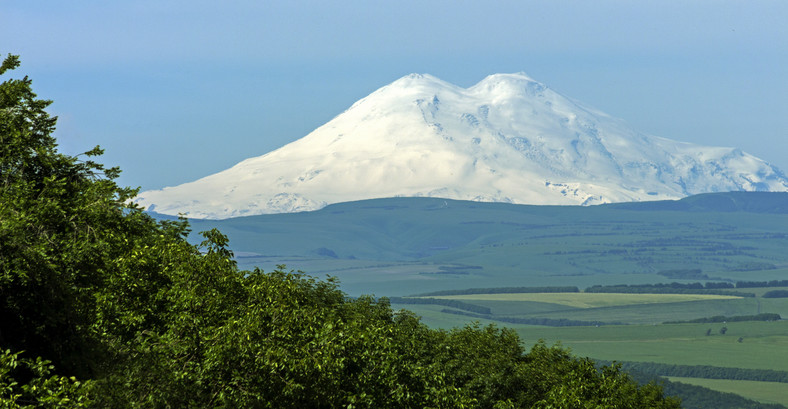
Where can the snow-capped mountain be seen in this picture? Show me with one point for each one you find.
(506, 139)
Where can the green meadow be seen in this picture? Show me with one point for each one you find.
(401, 247)
(766, 392)
(644, 337)
(763, 345)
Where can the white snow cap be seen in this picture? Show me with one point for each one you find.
(508, 138)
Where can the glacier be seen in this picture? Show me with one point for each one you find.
(508, 138)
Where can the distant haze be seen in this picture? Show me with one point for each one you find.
(175, 90)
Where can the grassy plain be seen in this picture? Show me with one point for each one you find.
(404, 246)
(763, 345)
(766, 392)
(745, 344)
(627, 308)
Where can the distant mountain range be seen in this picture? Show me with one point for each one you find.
(506, 139)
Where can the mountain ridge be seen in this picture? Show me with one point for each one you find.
(402, 242)
(506, 139)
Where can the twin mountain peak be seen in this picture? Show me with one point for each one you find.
(508, 139)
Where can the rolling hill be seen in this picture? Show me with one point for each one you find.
(402, 246)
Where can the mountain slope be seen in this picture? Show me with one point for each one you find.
(506, 139)
(413, 228)
(430, 244)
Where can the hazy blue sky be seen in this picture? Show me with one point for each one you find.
(177, 90)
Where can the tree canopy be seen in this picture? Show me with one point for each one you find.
(103, 306)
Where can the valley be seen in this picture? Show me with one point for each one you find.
(402, 246)
(640, 333)
(405, 248)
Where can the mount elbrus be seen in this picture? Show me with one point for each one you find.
(506, 139)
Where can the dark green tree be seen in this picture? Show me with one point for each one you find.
(81, 266)
(103, 306)
(42, 389)
(50, 207)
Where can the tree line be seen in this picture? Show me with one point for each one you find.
(502, 290)
(460, 305)
(668, 288)
(721, 318)
(704, 371)
(775, 294)
(698, 397)
(548, 322)
(711, 287)
(754, 284)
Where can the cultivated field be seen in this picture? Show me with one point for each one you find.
(766, 392)
(644, 337)
(404, 246)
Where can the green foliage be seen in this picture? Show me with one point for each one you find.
(440, 301)
(115, 309)
(753, 266)
(704, 371)
(684, 344)
(502, 290)
(698, 397)
(41, 388)
(685, 274)
(276, 340)
(563, 382)
(548, 322)
(775, 294)
(755, 284)
(665, 288)
(767, 316)
(60, 222)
